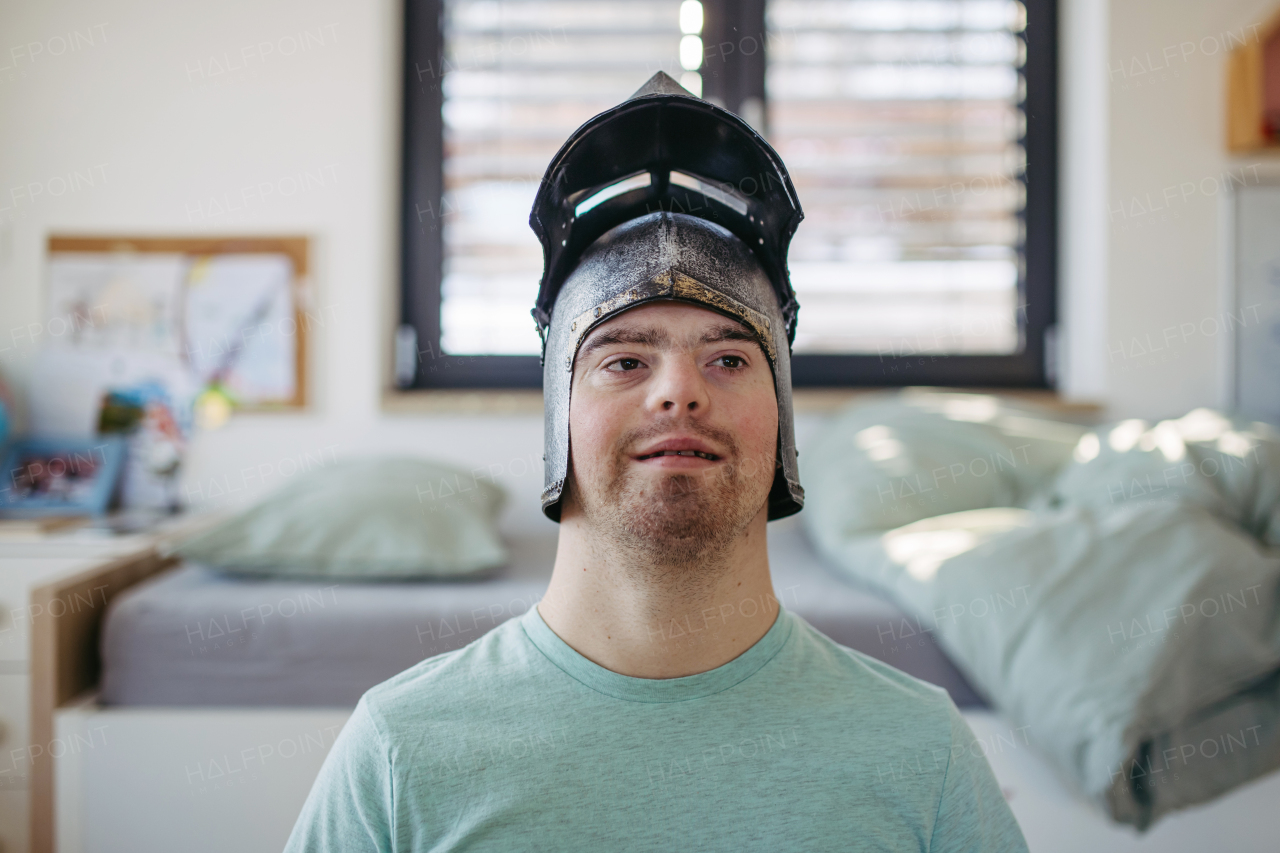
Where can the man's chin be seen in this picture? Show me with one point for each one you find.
(671, 535)
(674, 518)
(673, 513)
(676, 489)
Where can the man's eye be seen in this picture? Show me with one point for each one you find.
(625, 364)
(732, 362)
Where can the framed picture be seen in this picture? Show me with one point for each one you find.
(229, 312)
(60, 476)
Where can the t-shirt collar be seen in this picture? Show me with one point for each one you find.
(633, 689)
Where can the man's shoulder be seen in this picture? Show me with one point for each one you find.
(452, 678)
(868, 682)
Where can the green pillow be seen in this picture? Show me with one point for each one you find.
(892, 460)
(390, 518)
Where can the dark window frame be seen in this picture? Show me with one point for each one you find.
(421, 363)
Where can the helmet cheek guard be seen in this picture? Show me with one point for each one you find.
(664, 197)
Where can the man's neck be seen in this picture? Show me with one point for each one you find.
(659, 622)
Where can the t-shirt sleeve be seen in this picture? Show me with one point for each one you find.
(350, 804)
(973, 816)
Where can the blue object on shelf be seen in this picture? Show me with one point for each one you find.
(60, 476)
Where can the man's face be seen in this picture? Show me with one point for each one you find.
(673, 427)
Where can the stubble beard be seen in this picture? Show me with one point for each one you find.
(679, 525)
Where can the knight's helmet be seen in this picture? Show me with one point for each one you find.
(664, 197)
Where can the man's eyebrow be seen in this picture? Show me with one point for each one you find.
(659, 338)
(728, 333)
(644, 337)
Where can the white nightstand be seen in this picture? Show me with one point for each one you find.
(28, 561)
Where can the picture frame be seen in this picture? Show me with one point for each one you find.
(216, 306)
(60, 476)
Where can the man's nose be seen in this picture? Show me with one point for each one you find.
(679, 387)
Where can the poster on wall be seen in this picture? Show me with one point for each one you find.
(228, 313)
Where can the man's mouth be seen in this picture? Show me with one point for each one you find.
(698, 453)
(678, 453)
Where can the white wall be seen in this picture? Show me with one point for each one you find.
(173, 144)
(171, 141)
(1167, 164)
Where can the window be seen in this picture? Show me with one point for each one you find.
(919, 134)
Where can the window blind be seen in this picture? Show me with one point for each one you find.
(519, 77)
(900, 122)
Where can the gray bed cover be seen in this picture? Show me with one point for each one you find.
(192, 637)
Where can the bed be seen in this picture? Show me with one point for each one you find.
(195, 697)
(198, 708)
(194, 638)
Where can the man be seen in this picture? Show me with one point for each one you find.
(659, 697)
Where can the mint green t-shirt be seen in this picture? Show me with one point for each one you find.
(519, 743)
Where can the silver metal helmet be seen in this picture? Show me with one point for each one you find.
(664, 197)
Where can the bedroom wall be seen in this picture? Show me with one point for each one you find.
(1167, 164)
(173, 141)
